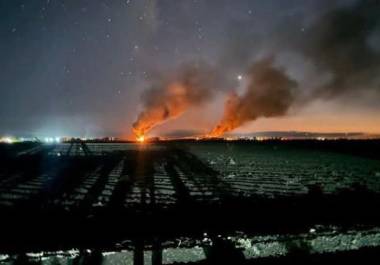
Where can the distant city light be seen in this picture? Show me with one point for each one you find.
(13, 139)
(50, 140)
(7, 140)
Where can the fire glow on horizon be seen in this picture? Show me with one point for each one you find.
(140, 138)
(269, 89)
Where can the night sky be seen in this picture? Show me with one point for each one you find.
(82, 67)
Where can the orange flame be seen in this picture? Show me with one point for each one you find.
(269, 93)
(171, 104)
(140, 138)
(230, 119)
(170, 96)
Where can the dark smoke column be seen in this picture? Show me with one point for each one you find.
(192, 85)
(270, 93)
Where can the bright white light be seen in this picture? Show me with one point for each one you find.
(49, 140)
(140, 138)
(7, 140)
(239, 77)
(57, 139)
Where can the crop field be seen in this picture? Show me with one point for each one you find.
(173, 202)
(281, 170)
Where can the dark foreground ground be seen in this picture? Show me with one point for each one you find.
(195, 202)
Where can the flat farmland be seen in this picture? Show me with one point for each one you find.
(262, 197)
(279, 169)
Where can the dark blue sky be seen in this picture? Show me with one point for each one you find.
(79, 67)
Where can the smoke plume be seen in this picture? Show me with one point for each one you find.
(269, 93)
(337, 44)
(168, 98)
